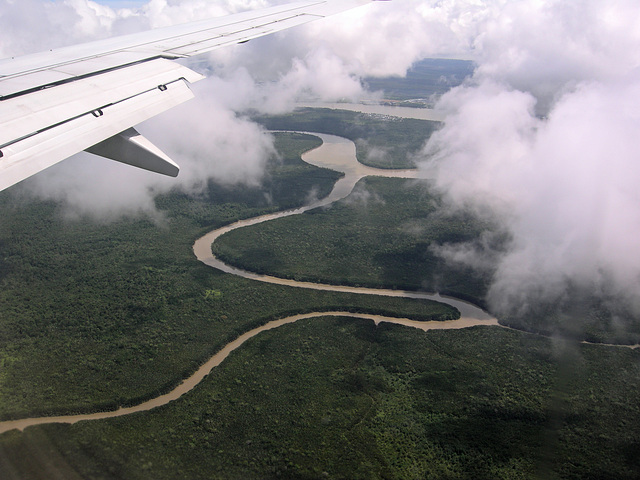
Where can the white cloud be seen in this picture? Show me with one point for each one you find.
(545, 134)
(209, 141)
(92, 187)
(547, 47)
(562, 184)
(208, 136)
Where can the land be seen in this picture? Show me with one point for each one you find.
(379, 237)
(100, 315)
(96, 315)
(341, 398)
(381, 142)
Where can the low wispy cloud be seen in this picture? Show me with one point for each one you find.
(545, 137)
(362, 198)
(209, 137)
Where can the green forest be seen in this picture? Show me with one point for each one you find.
(379, 237)
(98, 315)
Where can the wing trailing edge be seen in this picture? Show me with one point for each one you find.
(52, 124)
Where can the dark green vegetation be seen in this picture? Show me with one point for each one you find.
(380, 236)
(424, 82)
(381, 141)
(584, 314)
(383, 236)
(96, 315)
(340, 398)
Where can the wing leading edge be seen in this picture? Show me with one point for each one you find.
(88, 97)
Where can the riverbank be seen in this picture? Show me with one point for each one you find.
(336, 153)
(190, 383)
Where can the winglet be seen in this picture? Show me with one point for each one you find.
(133, 149)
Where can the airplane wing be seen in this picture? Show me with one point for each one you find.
(88, 97)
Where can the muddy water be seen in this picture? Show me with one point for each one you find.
(219, 357)
(338, 154)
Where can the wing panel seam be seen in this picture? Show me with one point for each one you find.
(96, 112)
(79, 77)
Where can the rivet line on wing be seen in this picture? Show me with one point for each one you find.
(98, 112)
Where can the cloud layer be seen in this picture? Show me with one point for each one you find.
(545, 135)
(208, 137)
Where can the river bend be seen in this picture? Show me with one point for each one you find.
(335, 153)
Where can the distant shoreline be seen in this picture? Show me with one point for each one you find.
(389, 110)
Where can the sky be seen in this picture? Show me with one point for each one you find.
(544, 139)
(116, 4)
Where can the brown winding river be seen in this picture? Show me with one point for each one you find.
(338, 154)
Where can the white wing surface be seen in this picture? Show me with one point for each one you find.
(88, 97)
